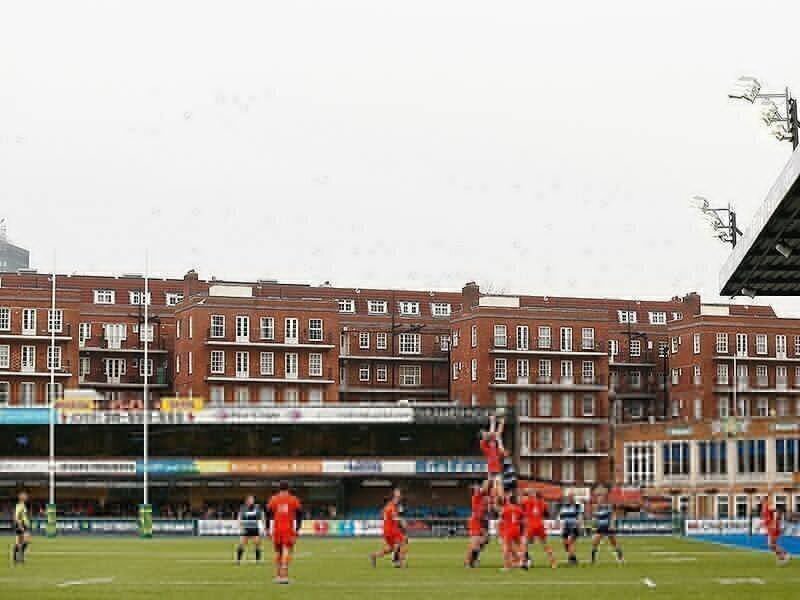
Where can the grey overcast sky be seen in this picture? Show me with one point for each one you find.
(539, 147)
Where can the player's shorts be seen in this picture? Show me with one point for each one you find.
(283, 539)
(511, 536)
(605, 530)
(394, 538)
(478, 527)
(20, 529)
(571, 531)
(536, 533)
(251, 532)
(773, 535)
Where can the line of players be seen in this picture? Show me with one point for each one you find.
(522, 516)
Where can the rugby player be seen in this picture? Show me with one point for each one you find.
(534, 511)
(395, 541)
(491, 447)
(771, 520)
(570, 515)
(22, 528)
(284, 518)
(250, 518)
(603, 515)
(510, 532)
(478, 525)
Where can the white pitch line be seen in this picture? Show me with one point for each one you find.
(97, 581)
(649, 582)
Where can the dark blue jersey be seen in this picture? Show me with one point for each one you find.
(570, 514)
(603, 515)
(250, 516)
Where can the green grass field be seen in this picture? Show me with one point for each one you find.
(198, 569)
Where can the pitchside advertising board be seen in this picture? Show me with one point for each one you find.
(736, 527)
(177, 412)
(272, 467)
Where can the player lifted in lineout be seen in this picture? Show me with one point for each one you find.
(771, 520)
(22, 528)
(478, 525)
(284, 518)
(250, 518)
(603, 516)
(395, 540)
(534, 511)
(492, 448)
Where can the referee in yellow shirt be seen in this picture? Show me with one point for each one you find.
(22, 528)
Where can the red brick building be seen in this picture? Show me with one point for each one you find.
(579, 372)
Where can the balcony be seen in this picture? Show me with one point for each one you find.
(98, 378)
(325, 342)
(548, 383)
(39, 333)
(596, 348)
(40, 371)
(113, 345)
(255, 376)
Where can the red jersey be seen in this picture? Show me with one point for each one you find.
(391, 519)
(511, 520)
(284, 508)
(479, 505)
(535, 511)
(494, 457)
(769, 518)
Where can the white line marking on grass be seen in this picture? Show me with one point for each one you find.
(97, 581)
(372, 585)
(649, 582)
(740, 581)
(680, 559)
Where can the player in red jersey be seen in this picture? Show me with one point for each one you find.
(284, 517)
(510, 531)
(394, 533)
(478, 525)
(534, 510)
(771, 520)
(492, 449)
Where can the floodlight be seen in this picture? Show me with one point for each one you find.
(745, 88)
(749, 293)
(781, 131)
(699, 202)
(785, 251)
(769, 112)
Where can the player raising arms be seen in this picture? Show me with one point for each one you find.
(510, 532)
(570, 515)
(22, 528)
(394, 533)
(534, 510)
(284, 518)
(603, 515)
(478, 525)
(771, 520)
(250, 517)
(492, 449)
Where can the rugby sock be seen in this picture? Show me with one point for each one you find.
(239, 553)
(22, 550)
(594, 554)
(258, 554)
(619, 553)
(474, 556)
(16, 553)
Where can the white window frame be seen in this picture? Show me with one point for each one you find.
(27, 362)
(410, 343)
(761, 343)
(173, 298)
(216, 362)
(105, 296)
(242, 330)
(441, 309)
(500, 336)
(381, 340)
(722, 343)
(242, 364)
(315, 364)
(696, 343)
(587, 338)
(217, 326)
(381, 373)
(291, 365)
(377, 307)
(523, 337)
(364, 373)
(408, 307)
(5, 319)
(5, 356)
(267, 328)
(409, 376)
(363, 340)
(545, 338)
(137, 298)
(500, 369)
(658, 317)
(316, 331)
(346, 305)
(266, 363)
(54, 357)
(55, 321)
(28, 321)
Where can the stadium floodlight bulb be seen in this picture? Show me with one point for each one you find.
(700, 203)
(769, 112)
(781, 131)
(750, 293)
(745, 88)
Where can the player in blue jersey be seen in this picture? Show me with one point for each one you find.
(251, 516)
(570, 515)
(603, 515)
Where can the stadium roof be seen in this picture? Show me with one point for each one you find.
(756, 266)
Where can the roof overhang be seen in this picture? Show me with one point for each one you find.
(755, 263)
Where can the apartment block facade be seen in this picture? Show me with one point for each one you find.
(593, 383)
